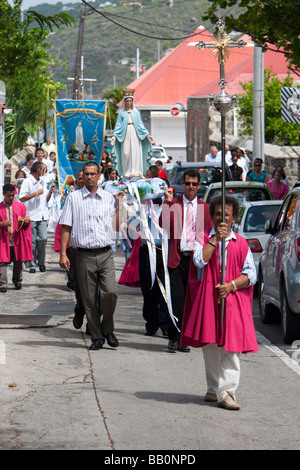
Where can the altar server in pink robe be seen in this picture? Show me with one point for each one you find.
(15, 237)
(201, 326)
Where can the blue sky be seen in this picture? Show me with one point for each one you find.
(26, 4)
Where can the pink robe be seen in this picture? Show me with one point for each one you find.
(22, 237)
(57, 238)
(202, 313)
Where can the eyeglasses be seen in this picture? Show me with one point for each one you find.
(187, 183)
(257, 165)
(90, 174)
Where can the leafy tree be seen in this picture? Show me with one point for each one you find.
(113, 96)
(25, 66)
(17, 124)
(267, 21)
(277, 131)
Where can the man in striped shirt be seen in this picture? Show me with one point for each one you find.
(89, 220)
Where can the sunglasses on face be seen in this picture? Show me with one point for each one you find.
(187, 183)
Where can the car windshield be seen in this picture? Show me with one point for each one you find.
(207, 175)
(157, 153)
(258, 215)
(242, 194)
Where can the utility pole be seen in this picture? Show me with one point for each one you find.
(258, 104)
(137, 63)
(81, 81)
(77, 86)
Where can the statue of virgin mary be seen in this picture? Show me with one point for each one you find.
(131, 140)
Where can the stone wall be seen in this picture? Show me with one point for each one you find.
(204, 127)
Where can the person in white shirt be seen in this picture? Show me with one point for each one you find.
(28, 165)
(49, 146)
(243, 162)
(39, 157)
(228, 159)
(87, 221)
(35, 197)
(213, 155)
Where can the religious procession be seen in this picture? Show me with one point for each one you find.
(170, 244)
(123, 225)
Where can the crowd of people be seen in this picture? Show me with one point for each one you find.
(241, 169)
(182, 239)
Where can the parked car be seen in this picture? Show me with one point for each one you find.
(159, 153)
(279, 269)
(242, 190)
(209, 173)
(251, 221)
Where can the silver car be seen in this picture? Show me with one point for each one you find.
(250, 223)
(241, 190)
(279, 269)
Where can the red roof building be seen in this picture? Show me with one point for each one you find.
(189, 72)
(180, 73)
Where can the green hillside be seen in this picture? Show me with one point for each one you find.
(106, 43)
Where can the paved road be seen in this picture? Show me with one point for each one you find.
(56, 394)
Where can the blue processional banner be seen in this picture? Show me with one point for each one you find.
(79, 135)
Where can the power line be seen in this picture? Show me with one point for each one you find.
(139, 33)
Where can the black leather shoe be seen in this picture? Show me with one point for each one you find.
(96, 344)
(185, 349)
(3, 289)
(42, 269)
(77, 321)
(18, 286)
(32, 270)
(172, 345)
(150, 332)
(112, 340)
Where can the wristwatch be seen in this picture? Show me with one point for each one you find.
(234, 286)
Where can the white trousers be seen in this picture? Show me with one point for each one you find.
(222, 370)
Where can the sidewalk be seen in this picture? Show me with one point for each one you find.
(56, 394)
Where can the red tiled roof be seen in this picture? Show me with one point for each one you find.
(180, 73)
(187, 71)
(243, 72)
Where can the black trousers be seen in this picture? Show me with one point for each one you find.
(72, 276)
(178, 282)
(155, 310)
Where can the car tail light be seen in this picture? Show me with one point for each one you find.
(297, 247)
(168, 161)
(254, 245)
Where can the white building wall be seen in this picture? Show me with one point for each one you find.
(170, 132)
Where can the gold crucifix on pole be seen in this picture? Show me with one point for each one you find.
(222, 103)
(221, 48)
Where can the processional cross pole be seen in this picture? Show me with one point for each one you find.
(222, 103)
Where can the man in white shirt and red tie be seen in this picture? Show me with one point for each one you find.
(89, 221)
(184, 218)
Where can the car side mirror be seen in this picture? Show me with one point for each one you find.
(269, 227)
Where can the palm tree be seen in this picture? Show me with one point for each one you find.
(113, 96)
